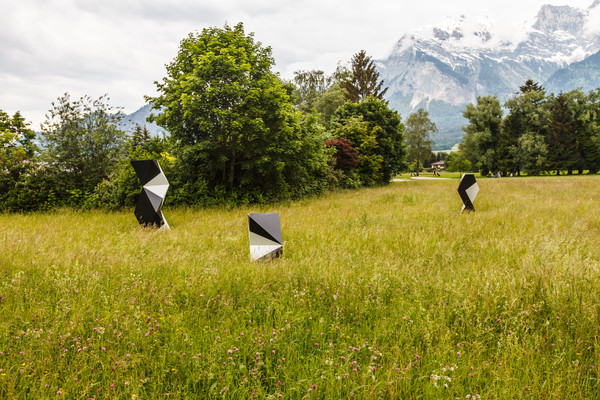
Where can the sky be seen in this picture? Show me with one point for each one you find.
(121, 47)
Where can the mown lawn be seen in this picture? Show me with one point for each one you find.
(381, 293)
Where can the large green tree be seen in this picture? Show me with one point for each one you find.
(527, 113)
(233, 118)
(561, 136)
(363, 80)
(482, 134)
(384, 136)
(419, 129)
(81, 142)
(586, 113)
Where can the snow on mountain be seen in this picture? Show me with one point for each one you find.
(444, 67)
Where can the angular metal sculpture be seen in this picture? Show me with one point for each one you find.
(155, 186)
(468, 189)
(265, 236)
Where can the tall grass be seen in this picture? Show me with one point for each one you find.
(381, 293)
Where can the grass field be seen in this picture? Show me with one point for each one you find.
(381, 293)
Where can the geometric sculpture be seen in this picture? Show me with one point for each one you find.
(468, 189)
(265, 236)
(154, 189)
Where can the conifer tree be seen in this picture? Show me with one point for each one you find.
(561, 136)
(363, 81)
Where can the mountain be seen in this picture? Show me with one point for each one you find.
(129, 122)
(583, 75)
(442, 68)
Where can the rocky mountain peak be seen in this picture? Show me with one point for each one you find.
(443, 67)
(559, 18)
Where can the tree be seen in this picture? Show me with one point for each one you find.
(140, 136)
(586, 115)
(561, 136)
(233, 119)
(528, 113)
(418, 140)
(363, 138)
(457, 162)
(81, 142)
(363, 81)
(346, 156)
(317, 92)
(310, 86)
(17, 157)
(530, 153)
(384, 135)
(482, 134)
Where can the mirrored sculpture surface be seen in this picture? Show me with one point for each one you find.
(154, 189)
(468, 189)
(265, 236)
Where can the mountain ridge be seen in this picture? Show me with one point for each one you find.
(463, 58)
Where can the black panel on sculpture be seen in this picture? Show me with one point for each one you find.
(266, 226)
(152, 197)
(265, 236)
(146, 170)
(468, 189)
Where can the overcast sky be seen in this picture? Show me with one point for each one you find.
(120, 47)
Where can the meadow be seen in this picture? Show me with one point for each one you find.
(381, 293)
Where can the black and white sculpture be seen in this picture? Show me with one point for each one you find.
(468, 189)
(265, 236)
(155, 186)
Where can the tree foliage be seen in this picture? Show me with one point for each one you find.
(378, 136)
(482, 140)
(363, 80)
(318, 93)
(419, 129)
(539, 134)
(233, 118)
(457, 162)
(81, 142)
(346, 156)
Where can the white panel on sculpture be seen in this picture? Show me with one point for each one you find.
(264, 231)
(258, 252)
(159, 190)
